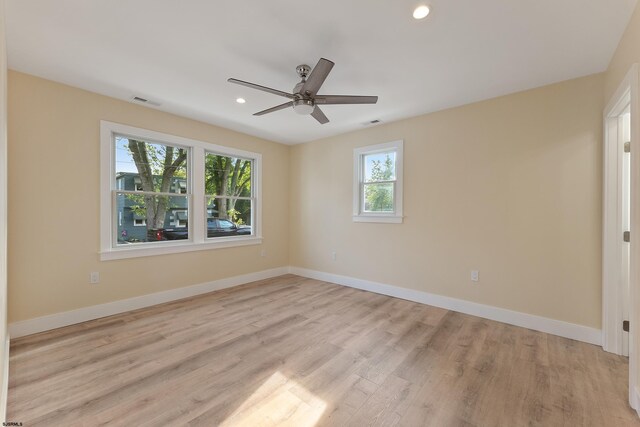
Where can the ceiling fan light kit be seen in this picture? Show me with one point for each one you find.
(305, 98)
(303, 106)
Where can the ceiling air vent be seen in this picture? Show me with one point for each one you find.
(372, 122)
(140, 100)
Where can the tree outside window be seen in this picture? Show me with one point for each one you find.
(228, 187)
(150, 174)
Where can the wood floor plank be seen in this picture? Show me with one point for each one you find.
(301, 352)
(386, 406)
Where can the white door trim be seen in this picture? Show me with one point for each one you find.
(634, 314)
(612, 221)
(612, 296)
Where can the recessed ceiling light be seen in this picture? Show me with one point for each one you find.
(241, 100)
(421, 12)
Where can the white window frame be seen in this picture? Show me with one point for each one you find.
(109, 250)
(359, 215)
(143, 222)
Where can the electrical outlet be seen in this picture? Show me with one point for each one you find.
(94, 277)
(334, 255)
(263, 253)
(475, 275)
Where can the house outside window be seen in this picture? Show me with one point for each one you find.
(132, 224)
(377, 183)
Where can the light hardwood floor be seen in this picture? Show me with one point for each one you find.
(299, 352)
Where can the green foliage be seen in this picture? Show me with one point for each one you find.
(382, 171)
(378, 197)
(227, 176)
(140, 207)
(234, 215)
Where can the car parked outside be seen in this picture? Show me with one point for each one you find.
(216, 227)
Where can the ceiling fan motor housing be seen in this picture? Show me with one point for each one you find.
(303, 70)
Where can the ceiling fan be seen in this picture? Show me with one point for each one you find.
(305, 98)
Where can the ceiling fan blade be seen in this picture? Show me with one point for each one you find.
(262, 88)
(317, 77)
(344, 99)
(272, 109)
(319, 115)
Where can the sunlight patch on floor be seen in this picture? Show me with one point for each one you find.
(278, 401)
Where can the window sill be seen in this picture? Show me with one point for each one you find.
(388, 219)
(177, 247)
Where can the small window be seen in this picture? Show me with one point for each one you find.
(181, 218)
(139, 222)
(377, 183)
(181, 186)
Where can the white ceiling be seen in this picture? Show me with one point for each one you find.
(180, 53)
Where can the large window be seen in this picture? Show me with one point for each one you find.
(163, 194)
(377, 183)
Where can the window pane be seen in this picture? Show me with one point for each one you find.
(378, 197)
(380, 167)
(228, 217)
(148, 218)
(227, 176)
(146, 166)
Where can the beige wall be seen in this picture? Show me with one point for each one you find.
(54, 202)
(510, 187)
(627, 53)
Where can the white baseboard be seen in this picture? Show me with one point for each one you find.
(529, 321)
(58, 320)
(5, 380)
